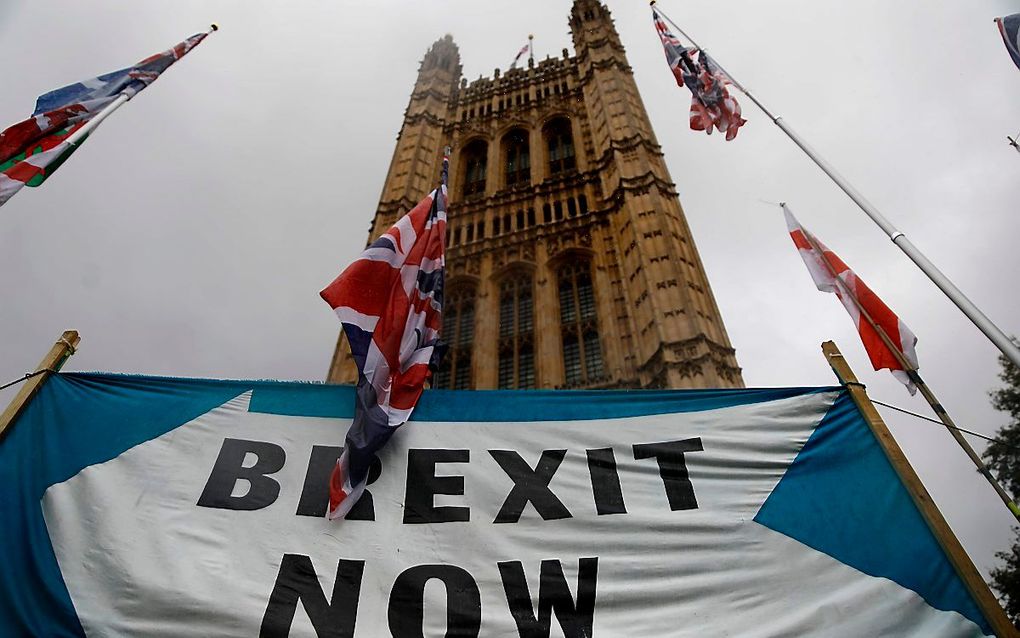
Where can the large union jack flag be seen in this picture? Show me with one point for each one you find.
(390, 302)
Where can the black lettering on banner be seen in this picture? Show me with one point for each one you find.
(673, 469)
(315, 491)
(423, 485)
(530, 485)
(407, 602)
(229, 468)
(575, 619)
(297, 581)
(605, 482)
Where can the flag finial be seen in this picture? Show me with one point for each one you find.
(214, 26)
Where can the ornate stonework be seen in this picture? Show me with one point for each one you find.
(568, 253)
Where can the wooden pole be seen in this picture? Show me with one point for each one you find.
(52, 362)
(915, 376)
(986, 601)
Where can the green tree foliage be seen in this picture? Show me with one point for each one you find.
(1003, 458)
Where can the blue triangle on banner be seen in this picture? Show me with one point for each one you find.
(842, 497)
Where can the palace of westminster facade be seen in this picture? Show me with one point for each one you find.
(569, 262)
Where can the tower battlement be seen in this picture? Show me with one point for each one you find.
(569, 260)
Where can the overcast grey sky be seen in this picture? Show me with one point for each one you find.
(191, 234)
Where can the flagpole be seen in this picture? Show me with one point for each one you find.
(90, 126)
(915, 377)
(531, 48)
(979, 319)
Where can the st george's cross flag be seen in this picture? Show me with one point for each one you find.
(712, 106)
(31, 150)
(830, 274)
(1009, 28)
(390, 302)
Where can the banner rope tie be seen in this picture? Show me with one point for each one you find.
(937, 422)
(28, 375)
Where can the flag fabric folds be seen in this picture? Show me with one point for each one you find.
(1009, 28)
(390, 302)
(32, 150)
(830, 274)
(712, 106)
(517, 58)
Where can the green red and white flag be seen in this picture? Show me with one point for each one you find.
(31, 150)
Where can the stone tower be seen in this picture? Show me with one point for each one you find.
(569, 261)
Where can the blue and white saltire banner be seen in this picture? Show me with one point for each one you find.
(135, 506)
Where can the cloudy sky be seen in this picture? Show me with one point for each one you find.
(191, 234)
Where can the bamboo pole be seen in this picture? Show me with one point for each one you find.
(958, 557)
(915, 376)
(51, 363)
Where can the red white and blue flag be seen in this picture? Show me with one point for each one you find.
(524, 49)
(712, 106)
(390, 302)
(31, 150)
(830, 274)
(1009, 28)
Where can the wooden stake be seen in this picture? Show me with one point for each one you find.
(52, 362)
(969, 574)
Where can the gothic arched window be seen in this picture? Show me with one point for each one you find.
(516, 333)
(518, 158)
(475, 158)
(561, 146)
(582, 351)
(459, 333)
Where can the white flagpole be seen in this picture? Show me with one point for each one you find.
(90, 126)
(994, 334)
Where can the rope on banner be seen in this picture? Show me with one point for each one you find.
(930, 420)
(29, 375)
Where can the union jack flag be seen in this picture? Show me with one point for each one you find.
(390, 302)
(712, 106)
(524, 49)
(1009, 29)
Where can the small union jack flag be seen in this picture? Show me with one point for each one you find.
(390, 302)
(524, 49)
(712, 106)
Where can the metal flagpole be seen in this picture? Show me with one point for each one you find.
(89, 126)
(915, 377)
(531, 48)
(994, 334)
